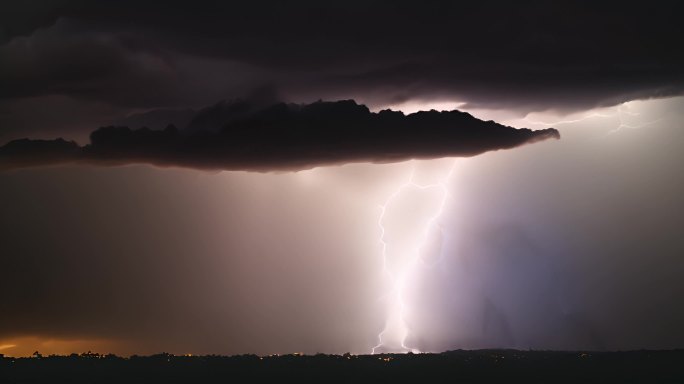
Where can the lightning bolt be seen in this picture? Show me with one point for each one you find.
(396, 330)
(394, 322)
(547, 124)
(621, 112)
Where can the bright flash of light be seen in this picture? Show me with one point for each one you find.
(398, 268)
(413, 106)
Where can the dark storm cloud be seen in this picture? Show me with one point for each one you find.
(530, 56)
(86, 66)
(283, 137)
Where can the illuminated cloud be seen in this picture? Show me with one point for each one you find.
(284, 137)
(135, 56)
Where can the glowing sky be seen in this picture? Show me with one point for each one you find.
(560, 244)
(536, 251)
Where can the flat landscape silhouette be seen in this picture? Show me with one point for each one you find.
(459, 366)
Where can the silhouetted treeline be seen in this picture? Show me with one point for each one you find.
(453, 367)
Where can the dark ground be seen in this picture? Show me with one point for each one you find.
(454, 367)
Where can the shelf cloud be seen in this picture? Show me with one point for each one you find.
(284, 137)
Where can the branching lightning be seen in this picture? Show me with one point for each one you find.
(622, 112)
(394, 335)
(396, 331)
(547, 124)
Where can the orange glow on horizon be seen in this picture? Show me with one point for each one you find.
(26, 346)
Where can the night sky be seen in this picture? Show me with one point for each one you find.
(360, 176)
